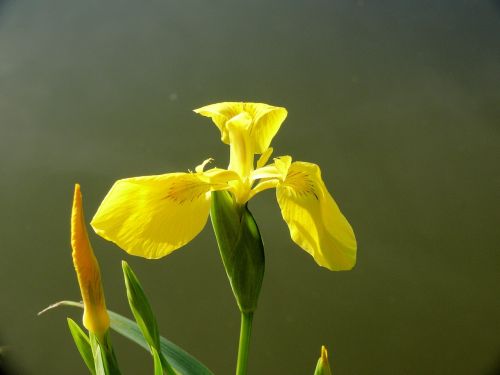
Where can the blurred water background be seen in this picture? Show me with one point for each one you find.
(397, 101)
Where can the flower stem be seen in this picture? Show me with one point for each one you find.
(244, 345)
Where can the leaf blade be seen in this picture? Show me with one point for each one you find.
(82, 343)
(181, 360)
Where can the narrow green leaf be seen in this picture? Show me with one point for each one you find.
(158, 370)
(183, 362)
(104, 355)
(98, 355)
(140, 307)
(144, 316)
(111, 362)
(83, 344)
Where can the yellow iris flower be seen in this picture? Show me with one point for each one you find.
(152, 216)
(95, 315)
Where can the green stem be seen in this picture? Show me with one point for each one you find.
(244, 345)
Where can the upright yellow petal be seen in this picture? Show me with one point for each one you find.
(220, 113)
(154, 215)
(266, 121)
(314, 219)
(264, 157)
(241, 155)
(95, 316)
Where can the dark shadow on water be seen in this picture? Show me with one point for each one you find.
(495, 370)
(6, 367)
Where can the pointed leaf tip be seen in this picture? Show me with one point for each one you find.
(323, 366)
(145, 318)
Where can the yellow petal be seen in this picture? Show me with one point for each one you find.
(283, 164)
(218, 178)
(266, 121)
(264, 157)
(278, 169)
(241, 154)
(263, 185)
(201, 167)
(314, 219)
(154, 215)
(95, 316)
(220, 113)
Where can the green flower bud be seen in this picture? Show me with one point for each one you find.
(241, 248)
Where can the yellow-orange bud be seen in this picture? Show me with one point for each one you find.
(95, 316)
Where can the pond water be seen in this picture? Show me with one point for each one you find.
(397, 101)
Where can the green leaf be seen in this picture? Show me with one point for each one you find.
(104, 355)
(183, 362)
(158, 369)
(99, 360)
(140, 307)
(83, 344)
(143, 314)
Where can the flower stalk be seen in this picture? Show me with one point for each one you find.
(244, 343)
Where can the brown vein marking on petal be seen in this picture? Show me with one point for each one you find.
(94, 290)
(186, 189)
(301, 184)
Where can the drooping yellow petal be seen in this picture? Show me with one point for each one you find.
(283, 165)
(314, 219)
(266, 121)
(95, 316)
(154, 215)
